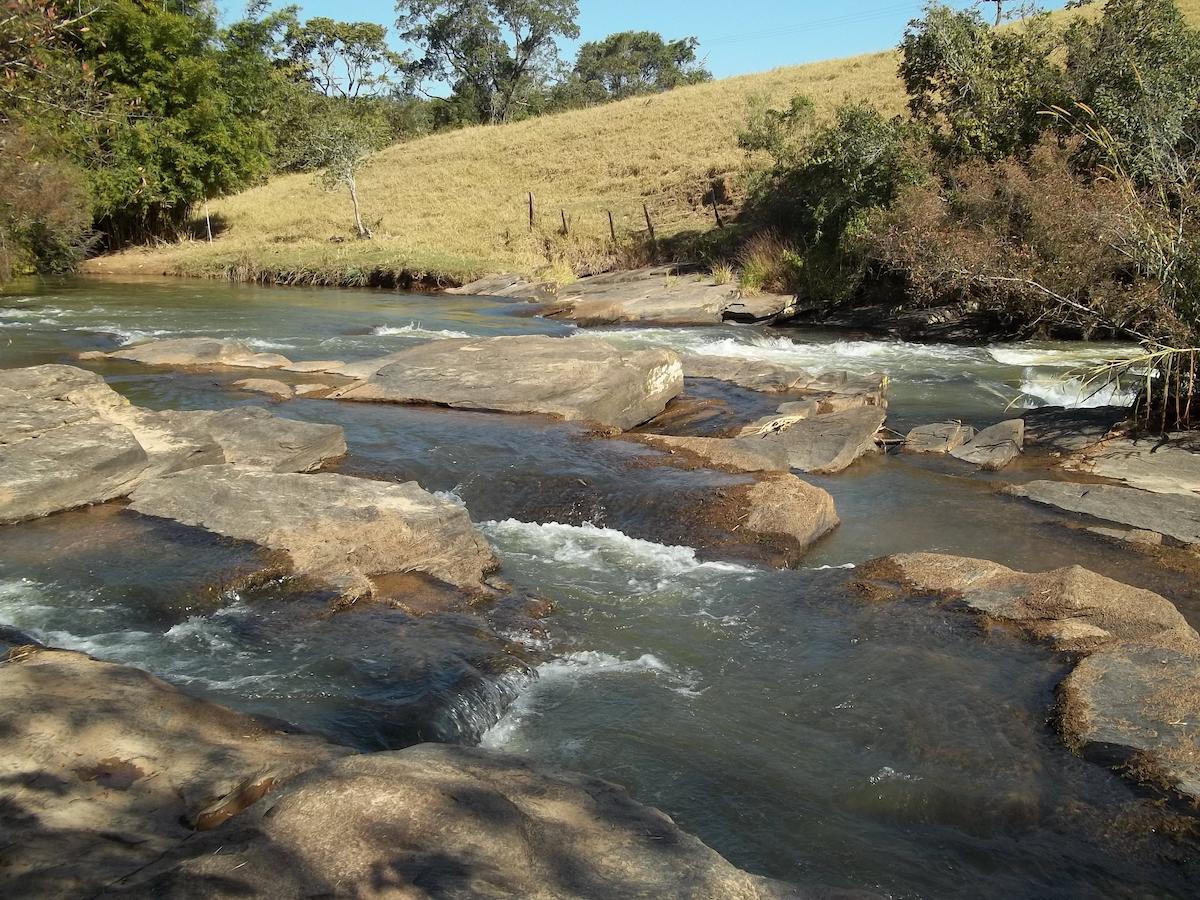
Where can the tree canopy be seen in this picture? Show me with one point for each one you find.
(630, 63)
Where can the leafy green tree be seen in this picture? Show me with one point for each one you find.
(980, 91)
(491, 51)
(192, 128)
(637, 62)
(1136, 73)
(344, 59)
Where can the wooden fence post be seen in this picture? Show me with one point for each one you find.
(649, 224)
(531, 210)
(612, 228)
(716, 211)
(566, 227)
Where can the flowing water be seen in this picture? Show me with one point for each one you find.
(796, 728)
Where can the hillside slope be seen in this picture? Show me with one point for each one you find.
(454, 204)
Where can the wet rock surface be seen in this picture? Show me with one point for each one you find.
(1130, 701)
(578, 380)
(71, 440)
(995, 447)
(334, 528)
(1176, 516)
(729, 454)
(657, 295)
(104, 768)
(196, 352)
(825, 444)
(943, 437)
(1168, 465)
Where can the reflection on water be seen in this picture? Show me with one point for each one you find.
(798, 729)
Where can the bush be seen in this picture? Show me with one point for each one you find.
(769, 263)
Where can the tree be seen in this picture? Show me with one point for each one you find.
(343, 59)
(38, 69)
(637, 62)
(980, 91)
(490, 51)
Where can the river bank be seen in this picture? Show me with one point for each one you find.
(802, 729)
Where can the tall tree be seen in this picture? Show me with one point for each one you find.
(344, 59)
(637, 62)
(488, 50)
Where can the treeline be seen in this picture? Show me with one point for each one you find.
(120, 118)
(1047, 178)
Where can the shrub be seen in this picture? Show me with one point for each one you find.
(769, 263)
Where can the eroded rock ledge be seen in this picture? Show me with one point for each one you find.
(1133, 699)
(67, 439)
(117, 784)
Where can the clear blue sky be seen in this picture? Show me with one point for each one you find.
(736, 36)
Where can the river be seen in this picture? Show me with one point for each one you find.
(799, 730)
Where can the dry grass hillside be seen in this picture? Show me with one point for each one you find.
(454, 204)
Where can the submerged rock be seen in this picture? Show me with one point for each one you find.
(579, 380)
(729, 454)
(334, 528)
(943, 437)
(269, 386)
(1131, 701)
(995, 447)
(824, 444)
(67, 439)
(105, 768)
(442, 821)
(1175, 515)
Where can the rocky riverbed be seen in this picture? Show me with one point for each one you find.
(606, 553)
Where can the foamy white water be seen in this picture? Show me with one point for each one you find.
(565, 673)
(415, 329)
(1074, 392)
(604, 550)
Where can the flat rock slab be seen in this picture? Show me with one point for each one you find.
(67, 439)
(1072, 607)
(269, 386)
(995, 447)
(1169, 465)
(655, 295)
(584, 379)
(942, 437)
(1175, 515)
(729, 454)
(334, 528)
(444, 821)
(197, 353)
(1135, 708)
(755, 374)
(826, 444)
(104, 768)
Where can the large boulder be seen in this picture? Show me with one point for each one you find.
(787, 510)
(729, 454)
(995, 447)
(1133, 707)
(334, 528)
(197, 353)
(1175, 515)
(583, 379)
(824, 444)
(1074, 608)
(444, 821)
(104, 768)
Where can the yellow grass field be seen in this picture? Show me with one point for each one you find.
(453, 205)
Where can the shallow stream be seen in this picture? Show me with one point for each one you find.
(799, 730)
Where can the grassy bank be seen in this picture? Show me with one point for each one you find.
(454, 205)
